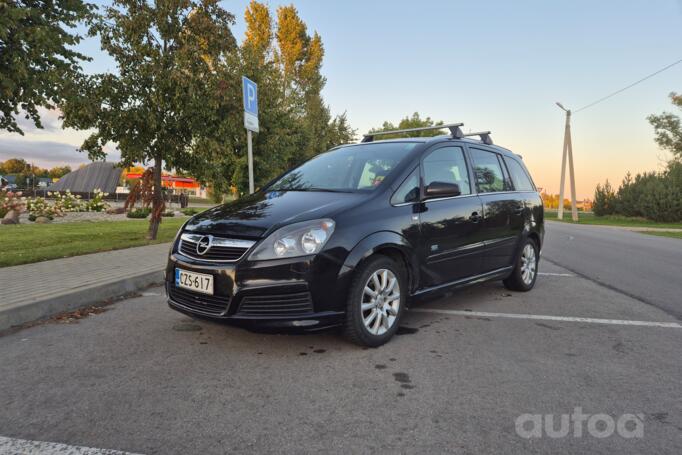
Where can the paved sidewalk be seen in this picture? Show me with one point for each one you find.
(34, 291)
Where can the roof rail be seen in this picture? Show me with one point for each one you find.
(485, 136)
(455, 132)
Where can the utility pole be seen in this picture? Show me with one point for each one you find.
(568, 151)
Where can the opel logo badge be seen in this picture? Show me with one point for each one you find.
(204, 244)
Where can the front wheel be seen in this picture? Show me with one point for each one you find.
(525, 271)
(376, 302)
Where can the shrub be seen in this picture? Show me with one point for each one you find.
(40, 207)
(168, 213)
(11, 201)
(97, 204)
(66, 202)
(139, 213)
(190, 211)
(604, 200)
(653, 195)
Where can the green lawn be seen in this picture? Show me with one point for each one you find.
(610, 220)
(26, 243)
(671, 234)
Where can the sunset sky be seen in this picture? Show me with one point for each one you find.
(494, 65)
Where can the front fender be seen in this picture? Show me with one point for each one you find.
(376, 242)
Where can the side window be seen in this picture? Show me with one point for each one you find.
(518, 175)
(488, 171)
(408, 191)
(447, 165)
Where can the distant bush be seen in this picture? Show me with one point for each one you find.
(653, 195)
(139, 213)
(190, 211)
(168, 213)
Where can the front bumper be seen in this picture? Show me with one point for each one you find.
(300, 293)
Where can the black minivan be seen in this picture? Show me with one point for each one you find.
(350, 237)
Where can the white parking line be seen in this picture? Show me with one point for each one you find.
(670, 325)
(555, 274)
(11, 446)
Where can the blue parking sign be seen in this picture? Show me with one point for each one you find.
(250, 96)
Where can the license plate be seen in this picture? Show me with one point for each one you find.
(198, 282)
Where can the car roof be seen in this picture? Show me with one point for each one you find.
(443, 138)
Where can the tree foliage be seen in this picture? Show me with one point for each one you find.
(668, 129)
(167, 99)
(414, 121)
(36, 55)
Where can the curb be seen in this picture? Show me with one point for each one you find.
(70, 301)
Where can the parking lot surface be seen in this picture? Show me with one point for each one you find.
(142, 378)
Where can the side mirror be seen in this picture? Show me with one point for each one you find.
(442, 189)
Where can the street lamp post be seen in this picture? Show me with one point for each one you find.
(568, 151)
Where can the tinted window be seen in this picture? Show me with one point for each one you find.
(518, 174)
(487, 171)
(447, 165)
(408, 190)
(354, 168)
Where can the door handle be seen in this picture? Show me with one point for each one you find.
(475, 217)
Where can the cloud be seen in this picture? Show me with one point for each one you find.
(47, 153)
(49, 118)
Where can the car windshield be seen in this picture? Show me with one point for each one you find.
(348, 169)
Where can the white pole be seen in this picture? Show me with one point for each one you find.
(574, 206)
(250, 146)
(560, 214)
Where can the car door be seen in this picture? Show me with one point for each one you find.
(450, 243)
(502, 223)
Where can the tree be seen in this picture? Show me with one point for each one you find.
(59, 171)
(36, 55)
(14, 166)
(668, 129)
(410, 122)
(295, 124)
(170, 100)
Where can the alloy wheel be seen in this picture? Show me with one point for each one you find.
(528, 264)
(380, 301)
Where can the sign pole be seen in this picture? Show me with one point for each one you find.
(250, 146)
(250, 92)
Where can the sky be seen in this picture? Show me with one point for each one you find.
(493, 65)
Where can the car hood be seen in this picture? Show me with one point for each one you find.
(256, 215)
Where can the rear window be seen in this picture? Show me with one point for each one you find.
(355, 168)
(519, 176)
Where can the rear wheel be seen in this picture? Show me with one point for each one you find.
(525, 271)
(376, 301)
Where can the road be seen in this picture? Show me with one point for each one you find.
(646, 267)
(142, 378)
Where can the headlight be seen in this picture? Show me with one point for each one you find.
(299, 239)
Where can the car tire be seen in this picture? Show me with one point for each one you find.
(372, 320)
(525, 271)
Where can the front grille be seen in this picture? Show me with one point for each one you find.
(276, 305)
(220, 250)
(203, 303)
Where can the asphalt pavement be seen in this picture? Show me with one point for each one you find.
(142, 378)
(646, 267)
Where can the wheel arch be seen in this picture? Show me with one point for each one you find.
(390, 244)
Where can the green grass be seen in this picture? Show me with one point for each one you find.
(26, 243)
(671, 234)
(610, 220)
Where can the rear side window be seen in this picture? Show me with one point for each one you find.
(447, 165)
(408, 191)
(518, 175)
(488, 172)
